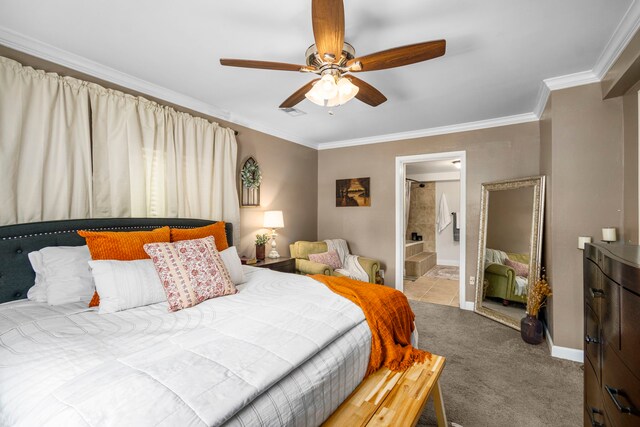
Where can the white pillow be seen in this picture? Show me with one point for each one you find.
(66, 274)
(126, 284)
(232, 261)
(38, 292)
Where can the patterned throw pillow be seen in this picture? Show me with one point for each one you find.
(521, 269)
(330, 258)
(191, 271)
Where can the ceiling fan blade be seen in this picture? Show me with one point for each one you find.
(298, 95)
(265, 65)
(328, 28)
(367, 93)
(399, 56)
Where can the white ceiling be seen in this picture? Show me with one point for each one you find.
(498, 53)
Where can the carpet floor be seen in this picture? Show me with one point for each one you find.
(492, 378)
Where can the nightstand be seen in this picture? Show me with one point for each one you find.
(285, 265)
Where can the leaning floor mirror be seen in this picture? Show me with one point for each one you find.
(510, 242)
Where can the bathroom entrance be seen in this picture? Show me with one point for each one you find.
(432, 232)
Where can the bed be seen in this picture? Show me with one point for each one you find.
(283, 351)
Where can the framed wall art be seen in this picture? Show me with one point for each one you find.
(353, 192)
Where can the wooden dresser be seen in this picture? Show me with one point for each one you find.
(612, 335)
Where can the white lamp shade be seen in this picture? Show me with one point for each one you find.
(273, 219)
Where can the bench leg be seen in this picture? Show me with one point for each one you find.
(441, 415)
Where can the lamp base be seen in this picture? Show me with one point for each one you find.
(273, 253)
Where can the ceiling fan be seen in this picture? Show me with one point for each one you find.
(333, 60)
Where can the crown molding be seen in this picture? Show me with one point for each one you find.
(442, 130)
(31, 46)
(541, 100)
(621, 37)
(571, 80)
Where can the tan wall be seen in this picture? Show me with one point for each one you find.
(292, 189)
(509, 220)
(448, 250)
(492, 154)
(630, 160)
(585, 194)
(422, 214)
(289, 183)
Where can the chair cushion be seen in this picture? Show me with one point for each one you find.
(303, 249)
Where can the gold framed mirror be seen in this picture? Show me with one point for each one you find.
(509, 247)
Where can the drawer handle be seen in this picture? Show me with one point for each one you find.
(590, 340)
(597, 293)
(613, 394)
(592, 414)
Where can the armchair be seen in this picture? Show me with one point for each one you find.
(501, 280)
(300, 250)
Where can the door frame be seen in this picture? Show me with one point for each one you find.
(401, 162)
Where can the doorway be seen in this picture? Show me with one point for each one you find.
(431, 227)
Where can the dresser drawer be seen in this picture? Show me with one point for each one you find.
(592, 285)
(593, 404)
(609, 313)
(620, 391)
(630, 330)
(592, 339)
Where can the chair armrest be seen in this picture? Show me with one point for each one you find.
(371, 266)
(305, 266)
(500, 270)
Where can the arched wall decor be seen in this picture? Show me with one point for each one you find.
(250, 179)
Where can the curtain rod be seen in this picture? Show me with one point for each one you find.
(235, 132)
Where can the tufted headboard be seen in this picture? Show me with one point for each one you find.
(16, 241)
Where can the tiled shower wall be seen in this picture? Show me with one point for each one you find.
(422, 214)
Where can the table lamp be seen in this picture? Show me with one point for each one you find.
(273, 220)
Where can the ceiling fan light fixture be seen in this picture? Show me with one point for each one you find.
(328, 93)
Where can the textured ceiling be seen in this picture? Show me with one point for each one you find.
(498, 53)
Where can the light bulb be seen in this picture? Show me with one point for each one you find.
(329, 86)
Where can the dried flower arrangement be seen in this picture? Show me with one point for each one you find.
(538, 295)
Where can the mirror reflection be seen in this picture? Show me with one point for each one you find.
(510, 243)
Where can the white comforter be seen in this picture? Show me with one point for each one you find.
(67, 365)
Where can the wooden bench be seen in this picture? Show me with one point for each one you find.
(388, 398)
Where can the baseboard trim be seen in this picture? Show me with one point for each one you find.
(566, 353)
(468, 305)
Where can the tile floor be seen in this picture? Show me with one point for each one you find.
(436, 291)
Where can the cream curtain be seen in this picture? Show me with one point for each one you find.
(45, 146)
(150, 160)
(72, 149)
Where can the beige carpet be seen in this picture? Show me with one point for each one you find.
(443, 272)
(492, 378)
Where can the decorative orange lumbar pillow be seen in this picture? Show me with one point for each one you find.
(216, 230)
(121, 246)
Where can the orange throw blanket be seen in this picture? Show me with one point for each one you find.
(390, 319)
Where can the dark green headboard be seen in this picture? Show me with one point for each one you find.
(16, 241)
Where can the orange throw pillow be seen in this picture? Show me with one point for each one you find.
(121, 246)
(216, 230)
